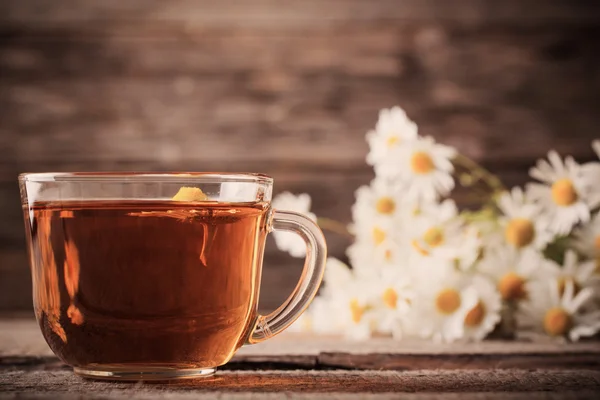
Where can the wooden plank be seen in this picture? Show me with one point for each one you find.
(407, 362)
(297, 365)
(312, 12)
(163, 102)
(15, 280)
(59, 382)
(152, 395)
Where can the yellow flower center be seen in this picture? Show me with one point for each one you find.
(390, 298)
(475, 315)
(512, 287)
(562, 284)
(392, 141)
(563, 192)
(378, 235)
(357, 311)
(421, 163)
(434, 237)
(447, 301)
(385, 205)
(557, 322)
(519, 232)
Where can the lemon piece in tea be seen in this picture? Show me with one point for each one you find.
(190, 194)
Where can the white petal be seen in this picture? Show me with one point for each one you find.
(469, 299)
(542, 171)
(580, 299)
(584, 331)
(556, 162)
(553, 292)
(596, 147)
(570, 261)
(583, 212)
(571, 165)
(567, 296)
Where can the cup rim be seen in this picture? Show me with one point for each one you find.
(149, 176)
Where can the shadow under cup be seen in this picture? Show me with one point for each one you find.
(137, 278)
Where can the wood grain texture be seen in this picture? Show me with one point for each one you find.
(567, 359)
(59, 382)
(272, 13)
(288, 90)
(308, 367)
(466, 361)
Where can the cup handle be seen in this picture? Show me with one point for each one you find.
(270, 325)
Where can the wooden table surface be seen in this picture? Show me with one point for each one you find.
(306, 367)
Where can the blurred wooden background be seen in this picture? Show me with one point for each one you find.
(284, 88)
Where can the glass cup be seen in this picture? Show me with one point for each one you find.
(141, 276)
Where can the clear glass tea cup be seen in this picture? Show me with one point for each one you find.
(155, 276)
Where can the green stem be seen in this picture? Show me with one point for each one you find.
(334, 226)
(480, 174)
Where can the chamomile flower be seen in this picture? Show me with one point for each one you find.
(365, 258)
(348, 303)
(319, 317)
(430, 216)
(438, 232)
(560, 315)
(566, 194)
(287, 241)
(580, 275)
(522, 223)
(468, 247)
(485, 315)
(586, 240)
(514, 271)
(421, 268)
(424, 166)
(376, 241)
(393, 129)
(338, 277)
(377, 213)
(393, 295)
(440, 306)
(354, 313)
(382, 198)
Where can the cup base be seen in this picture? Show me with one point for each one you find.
(143, 374)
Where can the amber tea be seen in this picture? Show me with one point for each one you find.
(154, 283)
